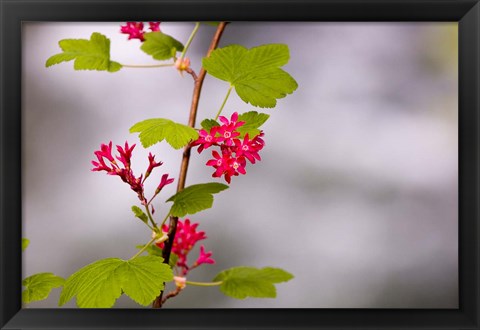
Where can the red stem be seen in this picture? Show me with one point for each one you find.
(157, 303)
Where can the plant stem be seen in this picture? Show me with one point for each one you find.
(144, 66)
(147, 208)
(224, 101)
(190, 39)
(143, 249)
(204, 283)
(165, 219)
(186, 152)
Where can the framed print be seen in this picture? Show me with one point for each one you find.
(331, 152)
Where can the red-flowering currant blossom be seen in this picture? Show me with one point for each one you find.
(249, 148)
(204, 257)
(235, 150)
(163, 182)
(206, 139)
(134, 30)
(228, 131)
(154, 26)
(151, 164)
(123, 169)
(185, 239)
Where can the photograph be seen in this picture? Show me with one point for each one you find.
(240, 164)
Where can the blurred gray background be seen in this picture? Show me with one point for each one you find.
(356, 193)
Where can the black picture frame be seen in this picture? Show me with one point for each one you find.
(14, 12)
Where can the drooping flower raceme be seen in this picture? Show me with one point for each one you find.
(234, 151)
(121, 166)
(185, 239)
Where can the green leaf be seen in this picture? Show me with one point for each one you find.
(93, 54)
(158, 129)
(255, 73)
(160, 45)
(139, 213)
(242, 282)
(253, 120)
(39, 286)
(195, 198)
(207, 124)
(25, 243)
(101, 283)
(154, 250)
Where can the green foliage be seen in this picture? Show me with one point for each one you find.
(195, 198)
(39, 286)
(25, 243)
(253, 120)
(93, 54)
(207, 124)
(158, 129)
(154, 250)
(139, 213)
(242, 282)
(255, 73)
(101, 283)
(160, 45)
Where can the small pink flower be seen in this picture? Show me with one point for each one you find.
(228, 130)
(163, 182)
(204, 257)
(125, 154)
(134, 30)
(185, 239)
(206, 139)
(154, 26)
(151, 164)
(248, 148)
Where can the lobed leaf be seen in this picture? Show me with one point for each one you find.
(207, 124)
(255, 73)
(160, 45)
(242, 282)
(253, 120)
(93, 54)
(195, 198)
(101, 283)
(39, 286)
(156, 130)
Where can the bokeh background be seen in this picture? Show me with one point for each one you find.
(356, 193)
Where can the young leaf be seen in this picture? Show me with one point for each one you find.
(99, 284)
(39, 286)
(158, 129)
(207, 124)
(139, 213)
(195, 198)
(93, 54)
(255, 73)
(160, 45)
(253, 120)
(243, 282)
(25, 243)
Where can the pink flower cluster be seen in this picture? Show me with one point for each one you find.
(135, 29)
(106, 162)
(234, 151)
(186, 237)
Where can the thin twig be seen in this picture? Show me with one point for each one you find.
(186, 152)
